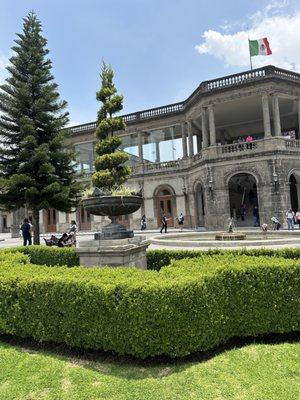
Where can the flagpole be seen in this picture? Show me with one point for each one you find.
(250, 52)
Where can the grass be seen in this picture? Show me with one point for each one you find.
(256, 371)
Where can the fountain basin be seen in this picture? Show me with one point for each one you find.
(112, 205)
(254, 238)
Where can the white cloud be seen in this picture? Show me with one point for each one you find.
(282, 30)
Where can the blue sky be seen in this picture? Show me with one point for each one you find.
(151, 44)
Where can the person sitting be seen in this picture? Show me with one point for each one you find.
(63, 240)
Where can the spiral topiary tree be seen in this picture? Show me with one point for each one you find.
(111, 173)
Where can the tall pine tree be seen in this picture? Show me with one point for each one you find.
(36, 169)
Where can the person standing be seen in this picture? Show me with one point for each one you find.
(255, 216)
(164, 223)
(290, 215)
(297, 217)
(243, 211)
(143, 223)
(26, 232)
(180, 221)
(72, 231)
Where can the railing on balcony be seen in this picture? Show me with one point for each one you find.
(239, 147)
(137, 116)
(161, 166)
(216, 152)
(247, 76)
(292, 144)
(205, 87)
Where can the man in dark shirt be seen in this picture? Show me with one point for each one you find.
(26, 232)
(164, 223)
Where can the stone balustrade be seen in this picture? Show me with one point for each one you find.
(158, 167)
(292, 144)
(239, 147)
(216, 152)
(219, 152)
(205, 87)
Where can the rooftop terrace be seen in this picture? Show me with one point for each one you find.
(223, 83)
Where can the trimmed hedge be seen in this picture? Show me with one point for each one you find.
(50, 256)
(189, 306)
(156, 259)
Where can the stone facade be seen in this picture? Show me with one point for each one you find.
(193, 157)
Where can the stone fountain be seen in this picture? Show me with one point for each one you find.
(115, 245)
(230, 234)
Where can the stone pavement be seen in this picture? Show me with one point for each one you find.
(7, 241)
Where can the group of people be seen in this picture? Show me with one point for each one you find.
(163, 221)
(292, 218)
(66, 240)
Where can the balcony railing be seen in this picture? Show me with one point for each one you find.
(239, 147)
(235, 150)
(292, 144)
(162, 166)
(205, 87)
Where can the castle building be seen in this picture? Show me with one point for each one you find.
(233, 144)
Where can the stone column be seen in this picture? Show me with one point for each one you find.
(199, 144)
(204, 128)
(157, 152)
(266, 115)
(212, 127)
(140, 146)
(184, 145)
(190, 138)
(276, 116)
(17, 220)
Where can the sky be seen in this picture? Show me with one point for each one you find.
(160, 50)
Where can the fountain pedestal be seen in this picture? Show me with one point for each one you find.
(114, 246)
(130, 252)
(230, 236)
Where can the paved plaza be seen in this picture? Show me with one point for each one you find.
(6, 240)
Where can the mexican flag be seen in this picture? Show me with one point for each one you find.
(259, 47)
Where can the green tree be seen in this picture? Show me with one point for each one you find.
(36, 169)
(111, 172)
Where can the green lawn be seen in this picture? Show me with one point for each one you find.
(253, 371)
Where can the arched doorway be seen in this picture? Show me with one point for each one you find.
(200, 205)
(165, 204)
(243, 198)
(84, 219)
(293, 192)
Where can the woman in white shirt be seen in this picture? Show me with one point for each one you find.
(290, 215)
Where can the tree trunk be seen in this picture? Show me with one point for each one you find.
(36, 227)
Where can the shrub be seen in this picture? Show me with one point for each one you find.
(50, 256)
(156, 259)
(189, 306)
